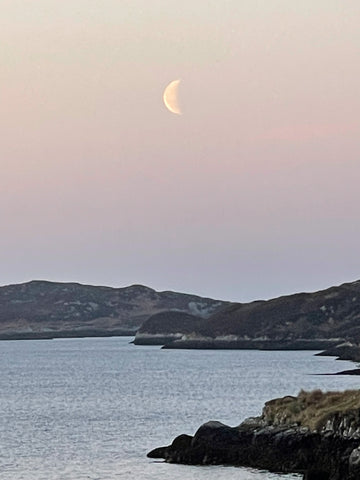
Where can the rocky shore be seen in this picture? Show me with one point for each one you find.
(232, 342)
(344, 351)
(314, 434)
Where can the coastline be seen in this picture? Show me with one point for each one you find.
(234, 343)
(83, 333)
(315, 434)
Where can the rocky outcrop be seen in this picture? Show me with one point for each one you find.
(344, 351)
(232, 342)
(40, 309)
(315, 434)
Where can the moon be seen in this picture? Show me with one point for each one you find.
(171, 97)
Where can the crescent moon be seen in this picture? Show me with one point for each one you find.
(170, 97)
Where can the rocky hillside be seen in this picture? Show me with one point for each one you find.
(285, 321)
(40, 309)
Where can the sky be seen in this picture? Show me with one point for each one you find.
(253, 192)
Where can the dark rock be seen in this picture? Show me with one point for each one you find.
(316, 475)
(354, 463)
(347, 351)
(180, 444)
(330, 453)
(277, 449)
(354, 371)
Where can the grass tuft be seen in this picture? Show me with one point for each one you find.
(311, 409)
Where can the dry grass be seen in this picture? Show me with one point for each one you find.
(311, 409)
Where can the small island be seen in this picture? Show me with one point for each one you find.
(315, 434)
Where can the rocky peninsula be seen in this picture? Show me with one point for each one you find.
(166, 327)
(315, 434)
(303, 321)
(344, 351)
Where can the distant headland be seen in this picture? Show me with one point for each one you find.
(43, 310)
(303, 321)
(313, 321)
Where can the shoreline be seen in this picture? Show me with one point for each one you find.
(315, 434)
(64, 334)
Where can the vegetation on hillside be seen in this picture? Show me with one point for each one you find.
(311, 409)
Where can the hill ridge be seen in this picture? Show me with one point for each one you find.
(47, 309)
(295, 321)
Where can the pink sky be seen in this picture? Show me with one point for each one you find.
(252, 192)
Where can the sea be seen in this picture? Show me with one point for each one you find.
(76, 409)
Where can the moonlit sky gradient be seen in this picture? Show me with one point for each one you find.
(253, 192)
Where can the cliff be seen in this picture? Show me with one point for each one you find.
(315, 434)
(40, 309)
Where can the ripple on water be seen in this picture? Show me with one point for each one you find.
(91, 408)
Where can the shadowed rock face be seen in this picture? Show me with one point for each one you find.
(273, 442)
(40, 309)
(277, 449)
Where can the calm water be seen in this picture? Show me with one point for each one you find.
(91, 408)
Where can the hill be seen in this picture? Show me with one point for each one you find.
(303, 320)
(165, 327)
(41, 309)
